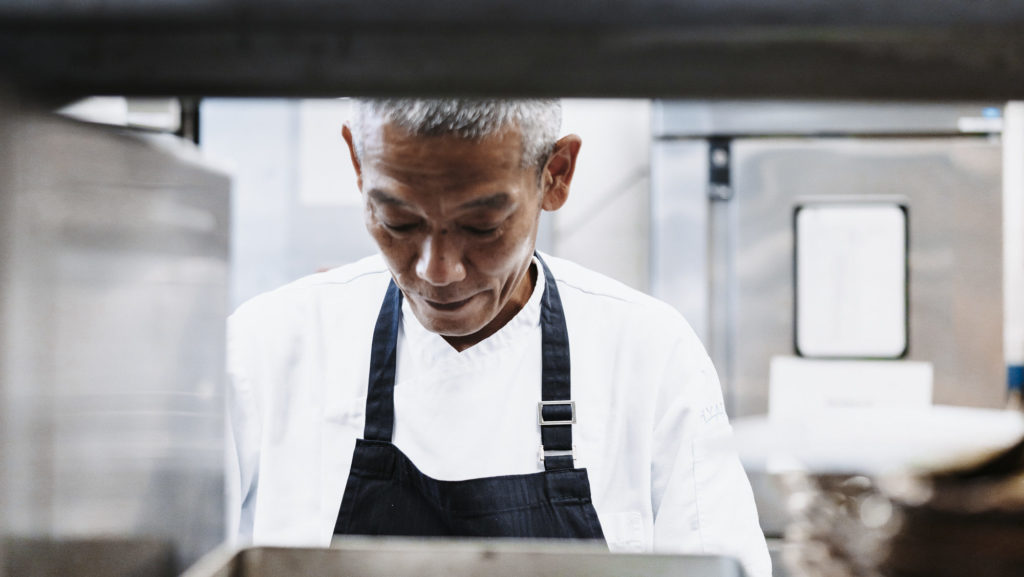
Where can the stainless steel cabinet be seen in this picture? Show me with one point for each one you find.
(728, 264)
(113, 296)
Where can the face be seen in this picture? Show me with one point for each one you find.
(456, 221)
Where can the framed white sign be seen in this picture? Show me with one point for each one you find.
(851, 279)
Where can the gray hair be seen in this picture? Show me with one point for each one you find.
(538, 121)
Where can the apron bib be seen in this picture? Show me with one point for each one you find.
(387, 495)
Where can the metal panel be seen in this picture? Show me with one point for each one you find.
(6, 226)
(953, 192)
(1013, 238)
(114, 298)
(705, 48)
(680, 228)
(514, 12)
(807, 118)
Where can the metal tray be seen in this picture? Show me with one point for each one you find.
(393, 557)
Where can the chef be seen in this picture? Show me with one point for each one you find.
(459, 383)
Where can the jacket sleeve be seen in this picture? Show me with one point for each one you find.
(702, 500)
(243, 434)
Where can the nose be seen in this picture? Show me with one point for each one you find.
(440, 261)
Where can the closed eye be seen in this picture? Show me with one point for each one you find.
(480, 231)
(400, 227)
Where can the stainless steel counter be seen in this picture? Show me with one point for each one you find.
(362, 557)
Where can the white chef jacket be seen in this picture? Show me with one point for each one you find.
(648, 402)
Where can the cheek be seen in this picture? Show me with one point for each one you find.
(384, 240)
(395, 253)
(370, 222)
(507, 255)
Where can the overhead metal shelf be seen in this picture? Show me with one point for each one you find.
(707, 49)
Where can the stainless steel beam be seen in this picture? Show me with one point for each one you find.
(851, 49)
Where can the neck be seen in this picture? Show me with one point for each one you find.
(515, 304)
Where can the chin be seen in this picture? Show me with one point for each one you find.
(450, 329)
(447, 327)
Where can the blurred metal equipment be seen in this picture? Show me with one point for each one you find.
(106, 557)
(113, 294)
(397, 557)
(871, 49)
(954, 523)
(872, 492)
(968, 521)
(728, 264)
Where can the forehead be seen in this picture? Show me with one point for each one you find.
(395, 151)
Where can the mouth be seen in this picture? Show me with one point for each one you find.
(448, 306)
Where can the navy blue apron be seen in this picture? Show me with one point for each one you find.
(387, 495)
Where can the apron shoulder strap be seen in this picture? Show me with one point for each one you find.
(556, 412)
(380, 394)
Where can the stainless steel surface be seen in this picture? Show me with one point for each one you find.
(113, 296)
(953, 187)
(441, 558)
(680, 228)
(690, 239)
(1013, 234)
(107, 557)
(675, 119)
(737, 271)
(702, 48)
(6, 143)
(722, 291)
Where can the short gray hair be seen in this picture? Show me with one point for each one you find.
(538, 121)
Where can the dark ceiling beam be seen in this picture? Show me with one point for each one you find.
(835, 49)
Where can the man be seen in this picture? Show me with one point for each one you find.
(459, 384)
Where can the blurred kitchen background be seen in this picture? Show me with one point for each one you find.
(833, 196)
(829, 254)
(650, 208)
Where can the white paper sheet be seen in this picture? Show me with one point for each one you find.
(851, 280)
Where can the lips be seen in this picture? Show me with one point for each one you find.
(448, 306)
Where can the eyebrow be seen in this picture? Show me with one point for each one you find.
(381, 197)
(495, 201)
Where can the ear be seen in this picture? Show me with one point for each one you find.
(558, 171)
(346, 133)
